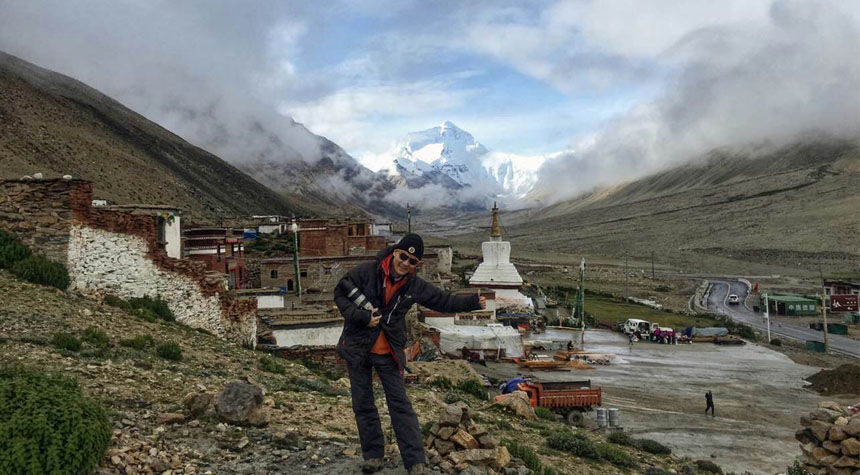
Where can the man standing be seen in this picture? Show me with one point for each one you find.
(374, 298)
(709, 403)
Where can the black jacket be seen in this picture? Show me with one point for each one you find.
(357, 338)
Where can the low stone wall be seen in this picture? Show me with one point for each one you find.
(40, 212)
(102, 261)
(829, 440)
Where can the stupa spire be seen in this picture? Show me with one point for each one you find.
(496, 228)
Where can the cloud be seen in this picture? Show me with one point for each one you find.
(794, 72)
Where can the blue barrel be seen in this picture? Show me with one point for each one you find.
(613, 417)
(601, 417)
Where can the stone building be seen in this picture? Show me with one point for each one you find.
(332, 237)
(128, 251)
(221, 249)
(319, 274)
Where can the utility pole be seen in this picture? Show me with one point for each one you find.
(408, 219)
(581, 303)
(767, 316)
(652, 266)
(294, 227)
(823, 307)
(626, 294)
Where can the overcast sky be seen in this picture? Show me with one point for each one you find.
(623, 83)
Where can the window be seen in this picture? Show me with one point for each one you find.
(273, 274)
(303, 273)
(289, 284)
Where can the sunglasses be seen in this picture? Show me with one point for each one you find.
(405, 257)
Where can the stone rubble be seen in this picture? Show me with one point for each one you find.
(457, 445)
(830, 440)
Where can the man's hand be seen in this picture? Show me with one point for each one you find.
(482, 301)
(375, 317)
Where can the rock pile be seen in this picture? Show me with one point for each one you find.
(458, 445)
(830, 440)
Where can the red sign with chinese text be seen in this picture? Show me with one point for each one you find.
(843, 303)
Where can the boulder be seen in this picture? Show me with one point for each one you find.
(833, 447)
(446, 432)
(503, 457)
(451, 415)
(518, 401)
(841, 421)
(836, 434)
(197, 403)
(820, 429)
(853, 426)
(487, 441)
(464, 439)
(444, 447)
(849, 462)
(851, 447)
(833, 406)
(170, 418)
(804, 436)
(823, 456)
(241, 403)
(473, 456)
(825, 415)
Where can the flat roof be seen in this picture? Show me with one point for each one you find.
(791, 298)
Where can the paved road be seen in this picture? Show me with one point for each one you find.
(721, 288)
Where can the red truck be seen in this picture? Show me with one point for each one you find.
(571, 399)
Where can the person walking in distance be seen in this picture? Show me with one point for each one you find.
(709, 403)
(373, 298)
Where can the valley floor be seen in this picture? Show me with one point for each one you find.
(758, 393)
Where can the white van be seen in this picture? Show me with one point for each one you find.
(636, 325)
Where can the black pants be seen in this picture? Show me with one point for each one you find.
(709, 406)
(403, 418)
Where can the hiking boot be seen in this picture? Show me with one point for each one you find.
(372, 465)
(417, 469)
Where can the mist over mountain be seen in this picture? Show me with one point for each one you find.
(446, 167)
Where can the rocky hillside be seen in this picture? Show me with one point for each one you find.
(758, 210)
(310, 423)
(56, 125)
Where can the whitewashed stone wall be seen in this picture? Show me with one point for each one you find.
(106, 262)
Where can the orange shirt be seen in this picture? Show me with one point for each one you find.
(381, 346)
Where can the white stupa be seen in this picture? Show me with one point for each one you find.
(496, 271)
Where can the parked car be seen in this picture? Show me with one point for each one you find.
(733, 299)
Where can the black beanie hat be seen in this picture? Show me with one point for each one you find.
(413, 244)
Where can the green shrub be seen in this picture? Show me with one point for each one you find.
(441, 383)
(296, 384)
(40, 270)
(11, 250)
(454, 396)
(776, 342)
(475, 388)
(169, 351)
(96, 337)
(797, 469)
(614, 455)
(66, 341)
(576, 443)
(47, 426)
(139, 342)
(145, 307)
(544, 413)
(621, 438)
(655, 471)
(746, 332)
(708, 466)
(653, 447)
(425, 428)
(524, 453)
(269, 364)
